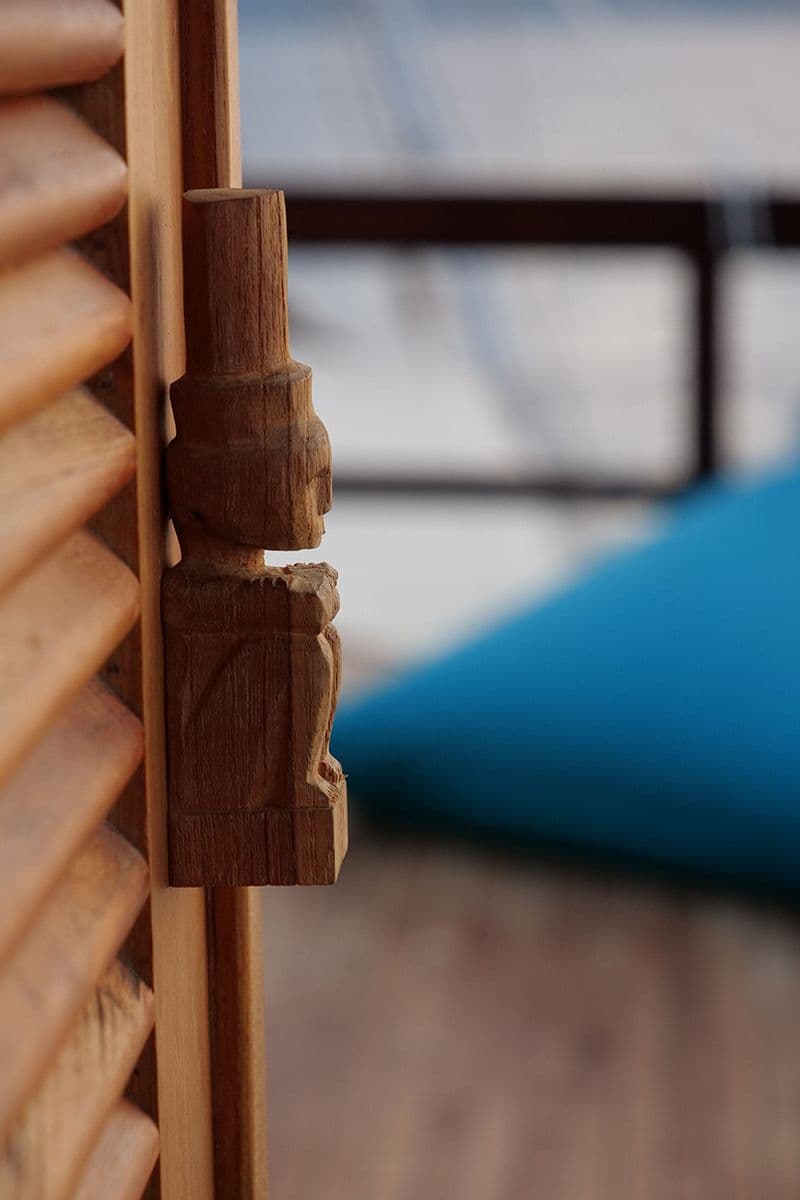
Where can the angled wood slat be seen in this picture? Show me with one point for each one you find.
(48, 43)
(52, 974)
(50, 1143)
(56, 470)
(58, 178)
(60, 321)
(56, 629)
(123, 1159)
(59, 795)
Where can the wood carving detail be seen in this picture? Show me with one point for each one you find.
(252, 659)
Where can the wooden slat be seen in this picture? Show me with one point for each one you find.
(58, 178)
(123, 1159)
(56, 470)
(50, 1143)
(47, 43)
(50, 977)
(56, 628)
(60, 321)
(62, 791)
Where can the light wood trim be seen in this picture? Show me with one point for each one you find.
(50, 1143)
(62, 791)
(58, 179)
(56, 470)
(123, 1159)
(60, 320)
(210, 85)
(46, 982)
(56, 628)
(47, 43)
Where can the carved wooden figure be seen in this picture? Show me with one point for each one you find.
(252, 660)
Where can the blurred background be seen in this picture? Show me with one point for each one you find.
(454, 1021)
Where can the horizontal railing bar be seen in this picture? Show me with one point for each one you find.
(687, 222)
(555, 487)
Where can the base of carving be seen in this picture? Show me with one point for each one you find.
(253, 665)
(274, 846)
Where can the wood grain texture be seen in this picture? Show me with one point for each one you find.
(123, 1159)
(58, 178)
(47, 43)
(56, 470)
(138, 111)
(60, 320)
(49, 978)
(209, 84)
(251, 465)
(237, 1044)
(49, 1144)
(62, 791)
(252, 678)
(212, 153)
(56, 628)
(253, 662)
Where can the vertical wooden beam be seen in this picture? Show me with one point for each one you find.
(212, 151)
(212, 158)
(137, 109)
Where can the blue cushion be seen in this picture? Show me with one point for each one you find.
(651, 710)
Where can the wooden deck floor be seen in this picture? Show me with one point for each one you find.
(447, 1025)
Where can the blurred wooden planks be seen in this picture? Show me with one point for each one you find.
(60, 321)
(62, 791)
(56, 470)
(486, 1027)
(56, 628)
(56, 1131)
(47, 43)
(123, 1158)
(50, 977)
(58, 179)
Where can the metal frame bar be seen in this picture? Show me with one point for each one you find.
(696, 225)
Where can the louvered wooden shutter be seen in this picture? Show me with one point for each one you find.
(74, 1016)
(94, 945)
(82, 838)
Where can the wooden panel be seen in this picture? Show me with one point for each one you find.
(135, 390)
(58, 179)
(56, 628)
(60, 320)
(50, 42)
(56, 470)
(57, 797)
(50, 1143)
(50, 977)
(209, 85)
(123, 1159)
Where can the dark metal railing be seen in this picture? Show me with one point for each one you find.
(704, 227)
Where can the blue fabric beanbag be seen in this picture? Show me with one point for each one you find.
(652, 710)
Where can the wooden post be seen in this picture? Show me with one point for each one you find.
(253, 662)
